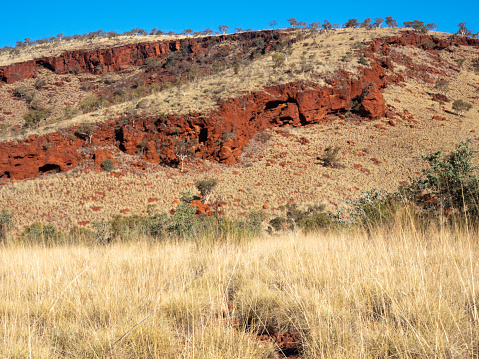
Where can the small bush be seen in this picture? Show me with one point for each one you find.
(92, 103)
(33, 117)
(108, 165)
(461, 107)
(206, 187)
(20, 91)
(6, 224)
(363, 60)
(442, 86)
(39, 83)
(429, 45)
(331, 158)
(453, 180)
(42, 233)
(259, 42)
(310, 219)
(69, 112)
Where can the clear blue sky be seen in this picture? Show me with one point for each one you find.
(38, 19)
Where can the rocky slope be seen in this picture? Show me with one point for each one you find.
(294, 104)
(223, 133)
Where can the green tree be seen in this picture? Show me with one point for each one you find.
(223, 28)
(453, 180)
(390, 22)
(378, 22)
(351, 24)
(184, 148)
(366, 24)
(206, 187)
(463, 29)
(292, 22)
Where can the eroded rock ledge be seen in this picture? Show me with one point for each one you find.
(221, 134)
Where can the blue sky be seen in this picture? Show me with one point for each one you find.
(36, 19)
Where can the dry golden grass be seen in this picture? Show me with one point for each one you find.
(397, 293)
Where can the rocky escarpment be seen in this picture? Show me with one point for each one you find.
(221, 134)
(119, 58)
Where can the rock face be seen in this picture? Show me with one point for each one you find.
(221, 134)
(372, 102)
(119, 58)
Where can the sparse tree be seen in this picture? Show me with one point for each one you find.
(184, 149)
(239, 29)
(188, 32)
(314, 26)
(28, 41)
(292, 22)
(366, 24)
(154, 31)
(327, 25)
(206, 188)
(351, 24)
(86, 132)
(378, 22)
(302, 24)
(390, 22)
(431, 27)
(330, 158)
(461, 107)
(223, 28)
(207, 31)
(463, 29)
(272, 23)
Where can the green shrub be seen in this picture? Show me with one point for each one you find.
(33, 117)
(206, 187)
(108, 165)
(310, 219)
(102, 232)
(259, 42)
(6, 224)
(375, 208)
(20, 91)
(39, 83)
(69, 112)
(331, 156)
(46, 234)
(92, 103)
(184, 222)
(453, 179)
(461, 107)
(278, 60)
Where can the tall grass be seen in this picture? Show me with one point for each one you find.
(402, 292)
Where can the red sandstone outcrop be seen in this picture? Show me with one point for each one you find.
(291, 104)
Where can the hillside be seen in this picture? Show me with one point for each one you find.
(259, 125)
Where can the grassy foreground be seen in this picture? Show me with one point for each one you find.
(397, 293)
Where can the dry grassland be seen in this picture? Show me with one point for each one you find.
(398, 293)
